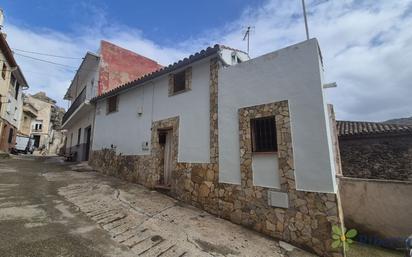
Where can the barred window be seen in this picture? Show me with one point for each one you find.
(264, 134)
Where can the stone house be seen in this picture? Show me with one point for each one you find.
(41, 119)
(41, 126)
(27, 119)
(12, 82)
(98, 73)
(373, 150)
(248, 140)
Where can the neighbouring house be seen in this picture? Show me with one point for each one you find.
(29, 115)
(375, 150)
(41, 120)
(248, 140)
(97, 74)
(377, 180)
(12, 82)
(41, 126)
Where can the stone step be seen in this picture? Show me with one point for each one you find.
(146, 244)
(115, 224)
(110, 219)
(158, 250)
(122, 237)
(174, 251)
(104, 214)
(117, 231)
(136, 237)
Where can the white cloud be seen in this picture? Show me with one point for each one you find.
(366, 45)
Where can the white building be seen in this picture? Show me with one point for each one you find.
(244, 139)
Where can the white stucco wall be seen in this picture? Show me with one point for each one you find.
(84, 77)
(82, 122)
(127, 130)
(226, 55)
(265, 170)
(14, 109)
(291, 74)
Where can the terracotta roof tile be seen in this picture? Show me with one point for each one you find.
(364, 128)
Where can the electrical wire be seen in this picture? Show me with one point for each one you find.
(46, 61)
(51, 55)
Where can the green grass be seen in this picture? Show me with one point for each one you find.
(362, 250)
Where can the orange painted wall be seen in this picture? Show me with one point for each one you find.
(119, 65)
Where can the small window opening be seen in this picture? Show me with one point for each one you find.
(264, 134)
(3, 71)
(162, 138)
(112, 104)
(17, 91)
(179, 82)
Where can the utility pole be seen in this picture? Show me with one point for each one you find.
(306, 20)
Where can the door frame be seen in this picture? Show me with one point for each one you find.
(166, 165)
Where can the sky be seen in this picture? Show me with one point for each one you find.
(366, 45)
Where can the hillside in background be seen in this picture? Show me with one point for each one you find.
(402, 121)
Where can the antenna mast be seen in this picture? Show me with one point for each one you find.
(1, 18)
(306, 20)
(247, 36)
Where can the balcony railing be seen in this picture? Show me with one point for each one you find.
(79, 100)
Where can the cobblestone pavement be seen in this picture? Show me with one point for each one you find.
(124, 219)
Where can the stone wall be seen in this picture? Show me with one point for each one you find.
(382, 157)
(306, 223)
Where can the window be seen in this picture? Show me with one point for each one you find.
(11, 131)
(235, 58)
(12, 80)
(79, 135)
(38, 125)
(112, 104)
(264, 134)
(179, 82)
(16, 91)
(3, 72)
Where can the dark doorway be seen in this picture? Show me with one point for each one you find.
(165, 142)
(3, 145)
(11, 132)
(88, 133)
(36, 141)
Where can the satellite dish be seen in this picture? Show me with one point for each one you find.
(1, 18)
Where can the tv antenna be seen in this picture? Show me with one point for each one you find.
(1, 18)
(247, 36)
(306, 19)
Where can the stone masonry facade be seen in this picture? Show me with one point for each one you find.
(379, 157)
(307, 222)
